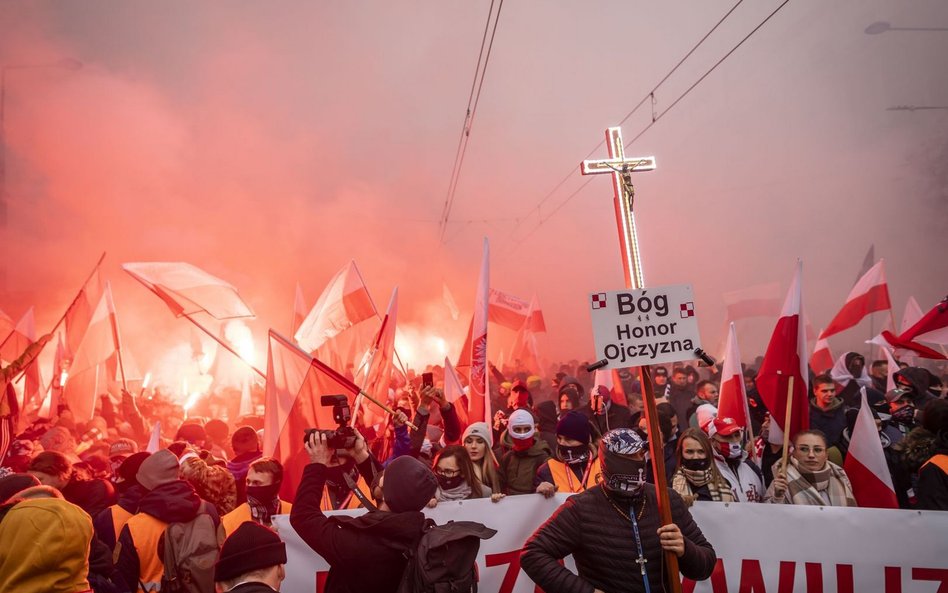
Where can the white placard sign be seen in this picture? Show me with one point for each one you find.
(641, 327)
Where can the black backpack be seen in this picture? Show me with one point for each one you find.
(443, 560)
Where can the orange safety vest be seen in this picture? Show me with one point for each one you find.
(939, 460)
(566, 481)
(232, 520)
(146, 531)
(351, 502)
(119, 518)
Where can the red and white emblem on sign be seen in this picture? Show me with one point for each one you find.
(599, 301)
(687, 310)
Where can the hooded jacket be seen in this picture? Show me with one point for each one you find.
(518, 468)
(920, 380)
(137, 548)
(44, 546)
(109, 522)
(364, 553)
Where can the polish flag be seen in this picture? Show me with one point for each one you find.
(187, 289)
(732, 400)
(379, 367)
(870, 294)
(14, 345)
(822, 359)
(87, 377)
(454, 391)
(535, 318)
(479, 400)
(449, 301)
(154, 441)
(609, 378)
(299, 309)
(761, 300)
(295, 383)
(6, 325)
(344, 303)
(911, 314)
(785, 358)
(80, 312)
(507, 310)
(932, 328)
(865, 463)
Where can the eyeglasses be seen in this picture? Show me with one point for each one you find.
(448, 473)
(805, 449)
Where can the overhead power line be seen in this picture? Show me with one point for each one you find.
(472, 101)
(655, 118)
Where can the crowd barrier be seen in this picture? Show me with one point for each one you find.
(761, 548)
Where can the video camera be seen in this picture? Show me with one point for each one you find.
(343, 437)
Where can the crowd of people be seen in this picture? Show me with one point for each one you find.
(89, 508)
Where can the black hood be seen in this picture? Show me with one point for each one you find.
(919, 378)
(130, 498)
(174, 502)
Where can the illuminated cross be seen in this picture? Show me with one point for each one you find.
(621, 169)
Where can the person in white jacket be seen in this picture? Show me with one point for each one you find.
(745, 478)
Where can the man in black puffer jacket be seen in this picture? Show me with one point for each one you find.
(597, 527)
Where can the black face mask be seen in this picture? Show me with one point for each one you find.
(263, 494)
(624, 477)
(697, 465)
(571, 455)
(449, 483)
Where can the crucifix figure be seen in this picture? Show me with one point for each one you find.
(621, 169)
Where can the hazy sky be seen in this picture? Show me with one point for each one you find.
(268, 143)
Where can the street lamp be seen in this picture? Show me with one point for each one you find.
(882, 26)
(64, 64)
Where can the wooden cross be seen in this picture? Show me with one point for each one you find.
(621, 169)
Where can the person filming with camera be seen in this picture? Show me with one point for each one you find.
(365, 553)
(350, 465)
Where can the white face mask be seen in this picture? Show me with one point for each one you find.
(734, 450)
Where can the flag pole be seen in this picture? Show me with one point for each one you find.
(225, 345)
(786, 427)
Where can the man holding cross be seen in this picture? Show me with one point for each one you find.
(614, 530)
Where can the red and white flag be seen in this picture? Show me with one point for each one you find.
(295, 383)
(732, 400)
(869, 295)
(154, 441)
(80, 312)
(932, 328)
(454, 391)
(912, 313)
(609, 378)
(299, 309)
(510, 311)
(344, 302)
(822, 359)
(6, 325)
(86, 379)
(187, 289)
(865, 463)
(449, 301)
(760, 300)
(14, 344)
(479, 400)
(785, 358)
(380, 366)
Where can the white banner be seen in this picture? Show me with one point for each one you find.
(761, 548)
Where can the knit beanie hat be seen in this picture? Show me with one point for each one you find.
(14, 483)
(479, 429)
(408, 484)
(160, 468)
(128, 471)
(250, 547)
(192, 433)
(574, 425)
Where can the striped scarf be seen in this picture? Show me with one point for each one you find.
(827, 487)
(685, 482)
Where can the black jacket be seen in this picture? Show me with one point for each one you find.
(932, 487)
(618, 416)
(364, 553)
(601, 541)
